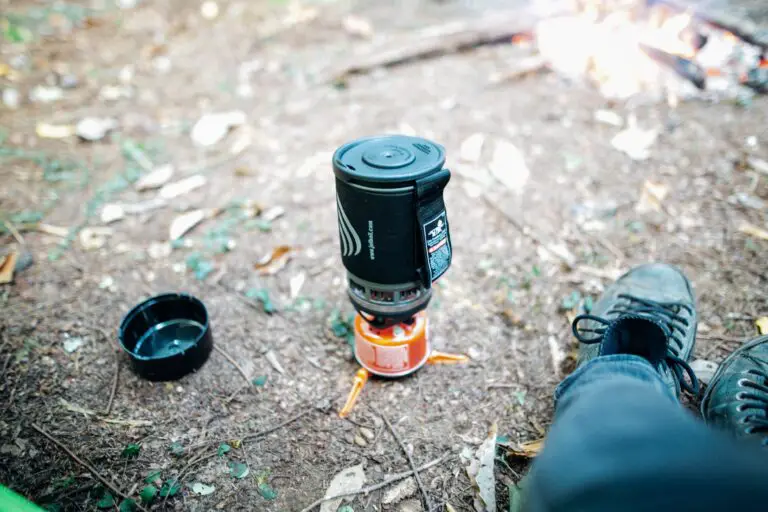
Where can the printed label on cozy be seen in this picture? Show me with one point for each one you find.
(438, 245)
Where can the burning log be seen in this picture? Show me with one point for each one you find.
(686, 68)
(744, 29)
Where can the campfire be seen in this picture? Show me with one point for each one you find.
(653, 49)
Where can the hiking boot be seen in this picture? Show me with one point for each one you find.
(737, 397)
(650, 312)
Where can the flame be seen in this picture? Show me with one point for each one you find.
(605, 47)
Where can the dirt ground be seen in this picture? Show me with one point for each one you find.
(505, 301)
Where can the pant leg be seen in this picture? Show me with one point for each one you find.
(620, 442)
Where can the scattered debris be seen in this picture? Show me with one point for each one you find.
(176, 449)
(472, 148)
(49, 229)
(762, 325)
(8, 267)
(652, 197)
(262, 296)
(170, 488)
(399, 492)
(153, 477)
(45, 94)
(211, 129)
(181, 187)
(635, 142)
(54, 131)
(94, 238)
(93, 129)
(357, 26)
(272, 359)
(201, 267)
(747, 201)
(72, 343)
(275, 261)
(557, 354)
(296, 283)
(259, 381)
(202, 489)
(112, 213)
(223, 449)
(360, 441)
(609, 117)
(367, 433)
(481, 474)
(182, 224)
(528, 450)
(115, 92)
(347, 480)
(108, 283)
(148, 493)
(238, 470)
(155, 179)
(753, 231)
(159, 250)
(704, 370)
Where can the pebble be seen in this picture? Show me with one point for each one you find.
(360, 440)
(367, 433)
(45, 94)
(93, 129)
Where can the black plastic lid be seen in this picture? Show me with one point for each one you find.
(391, 159)
(167, 336)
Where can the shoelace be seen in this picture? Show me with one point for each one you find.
(756, 400)
(666, 313)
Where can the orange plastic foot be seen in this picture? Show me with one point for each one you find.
(444, 358)
(361, 377)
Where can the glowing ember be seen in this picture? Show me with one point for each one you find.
(635, 50)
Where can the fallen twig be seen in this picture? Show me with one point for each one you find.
(234, 363)
(112, 392)
(116, 421)
(424, 495)
(87, 466)
(721, 342)
(375, 487)
(13, 231)
(262, 433)
(440, 40)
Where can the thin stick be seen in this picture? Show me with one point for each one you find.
(234, 363)
(87, 466)
(722, 341)
(375, 487)
(108, 410)
(194, 461)
(15, 232)
(262, 433)
(424, 495)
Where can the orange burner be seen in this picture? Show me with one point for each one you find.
(393, 351)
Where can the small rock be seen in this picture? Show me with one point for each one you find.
(360, 440)
(212, 128)
(472, 148)
(162, 63)
(71, 344)
(399, 492)
(111, 213)
(704, 370)
(609, 117)
(93, 129)
(45, 94)
(9, 449)
(367, 433)
(11, 98)
(115, 92)
(158, 250)
(107, 283)
(410, 506)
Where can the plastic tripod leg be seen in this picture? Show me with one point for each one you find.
(361, 377)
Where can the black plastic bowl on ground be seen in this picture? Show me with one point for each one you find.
(167, 336)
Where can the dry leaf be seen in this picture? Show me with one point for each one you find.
(608, 117)
(7, 267)
(508, 166)
(272, 359)
(480, 471)
(357, 26)
(273, 213)
(181, 187)
(529, 449)
(155, 179)
(211, 129)
(182, 224)
(275, 261)
(346, 481)
(111, 213)
(54, 131)
(762, 325)
(651, 197)
(296, 283)
(472, 148)
(752, 230)
(94, 238)
(635, 142)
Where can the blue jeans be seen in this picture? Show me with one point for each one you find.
(621, 442)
